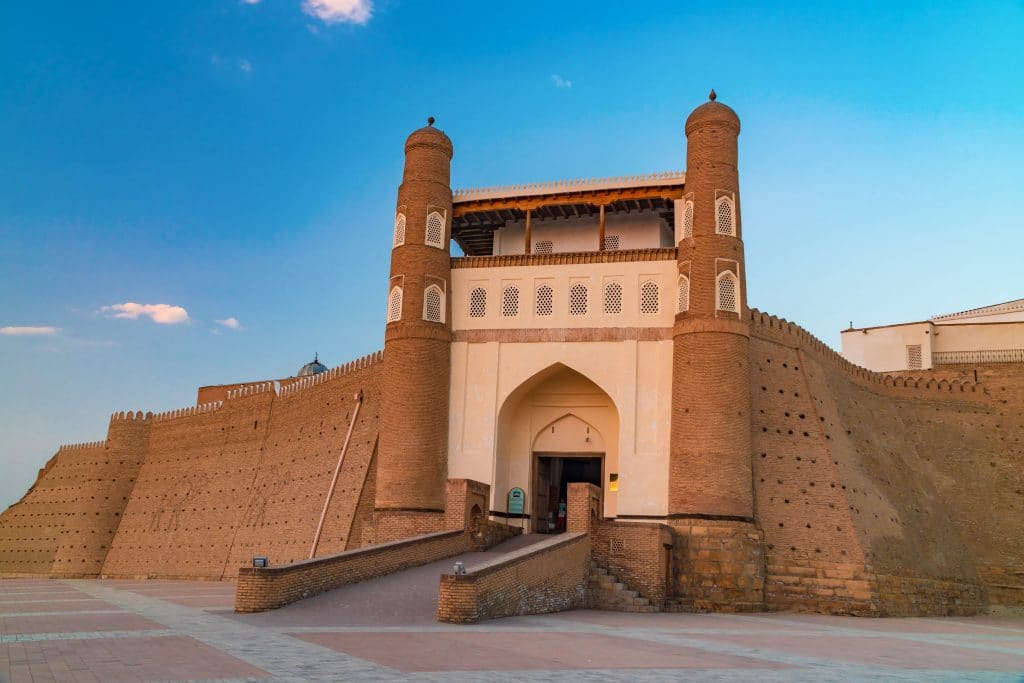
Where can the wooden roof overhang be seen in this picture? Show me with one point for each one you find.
(475, 220)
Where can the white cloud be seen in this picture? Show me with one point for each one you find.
(560, 82)
(230, 323)
(163, 314)
(250, 2)
(245, 65)
(13, 331)
(339, 11)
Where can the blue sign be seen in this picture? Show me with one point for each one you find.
(516, 501)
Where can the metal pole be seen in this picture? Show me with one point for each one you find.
(337, 470)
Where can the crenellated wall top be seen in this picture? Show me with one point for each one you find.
(189, 411)
(779, 329)
(82, 446)
(339, 371)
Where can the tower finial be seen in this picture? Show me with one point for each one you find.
(430, 120)
(712, 95)
(316, 357)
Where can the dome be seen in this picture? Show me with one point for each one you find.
(428, 136)
(313, 368)
(712, 111)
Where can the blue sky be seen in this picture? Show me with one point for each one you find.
(239, 160)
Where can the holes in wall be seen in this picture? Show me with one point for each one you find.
(578, 299)
(613, 298)
(611, 242)
(649, 298)
(543, 247)
(510, 301)
(478, 302)
(545, 300)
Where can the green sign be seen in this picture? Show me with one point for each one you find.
(516, 501)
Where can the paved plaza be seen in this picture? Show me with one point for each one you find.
(385, 630)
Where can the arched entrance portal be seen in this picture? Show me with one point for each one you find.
(557, 428)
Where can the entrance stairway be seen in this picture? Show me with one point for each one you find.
(606, 592)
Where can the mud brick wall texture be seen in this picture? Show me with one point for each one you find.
(550, 576)
(884, 495)
(261, 589)
(637, 553)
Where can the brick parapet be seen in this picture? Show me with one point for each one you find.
(638, 553)
(549, 576)
(261, 589)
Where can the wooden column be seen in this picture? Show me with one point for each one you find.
(528, 238)
(600, 230)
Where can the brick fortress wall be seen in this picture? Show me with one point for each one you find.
(196, 492)
(881, 494)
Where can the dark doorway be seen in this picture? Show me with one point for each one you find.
(554, 474)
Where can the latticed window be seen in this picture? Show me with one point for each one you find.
(543, 247)
(725, 218)
(649, 298)
(545, 300)
(688, 219)
(914, 357)
(433, 308)
(478, 303)
(395, 304)
(683, 302)
(728, 294)
(435, 230)
(578, 299)
(613, 298)
(399, 230)
(611, 242)
(510, 301)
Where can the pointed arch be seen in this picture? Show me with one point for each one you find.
(395, 304)
(399, 237)
(727, 292)
(433, 304)
(725, 216)
(434, 234)
(683, 299)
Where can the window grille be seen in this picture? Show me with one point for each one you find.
(611, 242)
(649, 298)
(433, 310)
(395, 304)
(510, 301)
(914, 357)
(399, 230)
(728, 297)
(435, 230)
(578, 299)
(545, 300)
(613, 298)
(688, 219)
(683, 303)
(725, 220)
(543, 247)
(478, 303)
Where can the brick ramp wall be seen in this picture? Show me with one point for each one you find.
(635, 552)
(880, 498)
(269, 588)
(549, 576)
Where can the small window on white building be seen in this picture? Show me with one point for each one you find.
(510, 302)
(613, 298)
(688, 219)
(914, 357)
(545, 300)
(399, 230)
(478, 303)
(728, 297)
(578, 299)
(649, 299)
(725, 216)
(683, 302)
(395, 304)
(543, 247)
(433, 304)
(611, 242)
(435, 230)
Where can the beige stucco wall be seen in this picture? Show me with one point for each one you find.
(504, 394)
(561, 278)
(884, 349)
(636, 231)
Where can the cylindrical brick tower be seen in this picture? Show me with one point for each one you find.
(412, 458)
(710, 467)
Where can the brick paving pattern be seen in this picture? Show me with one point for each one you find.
(386, 630)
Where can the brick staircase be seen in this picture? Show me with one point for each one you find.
(605, 591)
